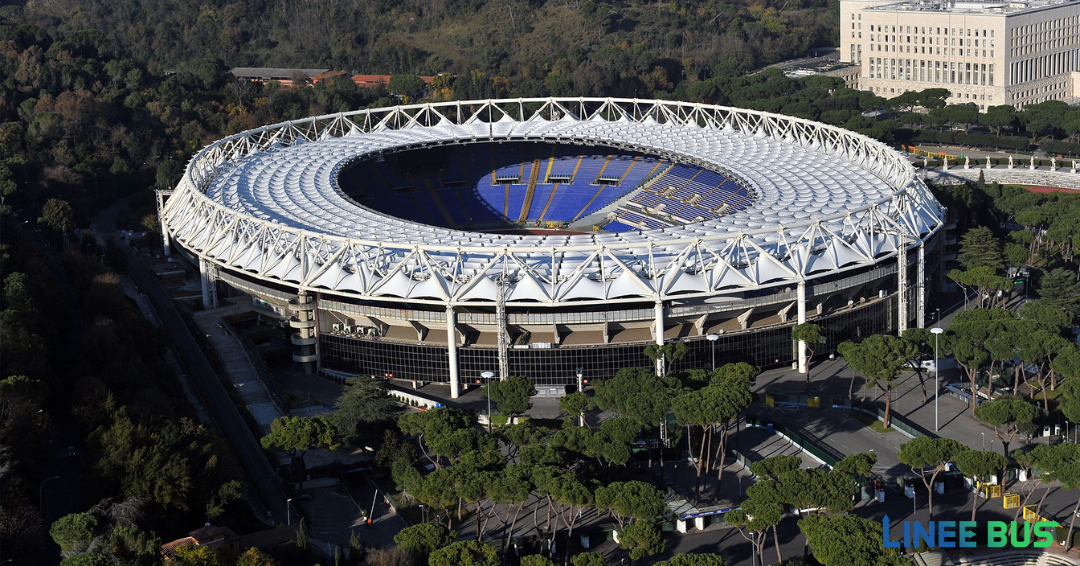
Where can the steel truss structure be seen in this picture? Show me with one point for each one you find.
(266, 203)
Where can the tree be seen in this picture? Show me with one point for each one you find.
(775, 466)
(847, 540)
(296, 435)
(1060, 288)
(1007, 411)
(924, 342)
(727, 395)
(809, 334)
(695, 559)
(392, 556)
(879, 358)
(57, 215)
(197, 556)
(631, 500)
(979, 464)
(999, 117)
(966, 340)
(445, 431)
(254, 557)
(406, 85)
(536, 560)
(674, 352)
(761, 511)
(465, 553)
(363, 403)
(929, 455)
(511, 394)
(575, 404)
(979, 248)
(641, 538)
(423, 539)
(859, 465)
(588, 559)
(74, 531)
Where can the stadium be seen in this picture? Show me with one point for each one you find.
(557, 237)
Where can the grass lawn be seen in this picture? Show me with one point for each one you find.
(872, 423)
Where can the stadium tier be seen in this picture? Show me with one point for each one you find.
(402, 242)
(487, 184)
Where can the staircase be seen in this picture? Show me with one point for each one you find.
(533, 174)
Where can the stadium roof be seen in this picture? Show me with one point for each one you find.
(267, 202)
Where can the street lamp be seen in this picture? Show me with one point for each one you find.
(487, 375)
(423, 513)
(581, 389)
(984, 440)
(41, 497)
(288, 510)
(936, 331)
(713, 338)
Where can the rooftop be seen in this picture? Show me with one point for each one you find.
(953, 7)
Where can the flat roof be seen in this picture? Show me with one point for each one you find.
(274, 72)
(989, 8)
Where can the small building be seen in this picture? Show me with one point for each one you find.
(223, 537)
(287, 77)
(381, 80)
(326, 77)
(207, 535)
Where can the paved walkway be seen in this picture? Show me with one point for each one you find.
(238, 370)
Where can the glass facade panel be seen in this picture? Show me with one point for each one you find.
(556, 366)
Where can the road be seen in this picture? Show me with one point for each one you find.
(260, 474)
(69, 492)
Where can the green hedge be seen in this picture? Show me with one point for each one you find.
(1061, 147)
(949, 137)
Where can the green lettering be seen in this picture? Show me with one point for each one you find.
(997, 533)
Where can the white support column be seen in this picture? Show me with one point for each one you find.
(166, 245)
(451, 350)
(921, 298)
(204, 279)
(901, 282)
(801, 301)
(659, 335)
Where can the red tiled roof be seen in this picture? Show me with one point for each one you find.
(169, 548)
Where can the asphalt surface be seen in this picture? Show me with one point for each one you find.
(63, 487)
(260, 475)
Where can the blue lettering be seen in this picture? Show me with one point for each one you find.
(907, 534)
(885, 542)
(946, 530)
(921, 533)
(967, 530)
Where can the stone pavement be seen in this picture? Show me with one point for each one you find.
(238, 370)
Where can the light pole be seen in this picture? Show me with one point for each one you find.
(936, 331)
(423, 514)
(487, 375)
(713, 338)
(581, 389)
(984, 440)
(288, 511)
(41, 497)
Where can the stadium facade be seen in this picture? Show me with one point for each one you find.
(411, 242)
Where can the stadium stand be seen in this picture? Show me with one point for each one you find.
(505, 184)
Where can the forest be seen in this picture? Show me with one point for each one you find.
(102, 100)
(519, 40)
